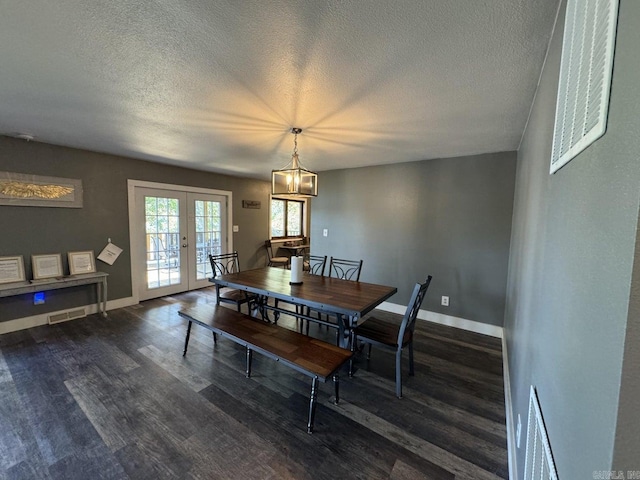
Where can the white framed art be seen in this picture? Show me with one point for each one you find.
(46, 266)
(12, 269)
(81, 262)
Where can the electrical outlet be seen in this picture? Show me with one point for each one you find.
(445, 301)
(325, 232)
(236, 229)
(518, 431)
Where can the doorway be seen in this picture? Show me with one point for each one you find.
(174, 229)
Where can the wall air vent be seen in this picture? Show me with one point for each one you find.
(538, 459)
(585, 77)
(69, 315)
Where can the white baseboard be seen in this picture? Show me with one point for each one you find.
(511, 437)
(463, 323)
(43, 318)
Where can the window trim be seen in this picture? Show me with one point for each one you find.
(304, 214)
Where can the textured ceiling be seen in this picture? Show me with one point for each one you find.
(217, 85)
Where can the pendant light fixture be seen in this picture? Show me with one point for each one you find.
(293, 179)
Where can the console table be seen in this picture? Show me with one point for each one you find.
(99, 278)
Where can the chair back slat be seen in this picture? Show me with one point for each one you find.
(345, 269)
(409, 319)
(315, 264)
(224, 263)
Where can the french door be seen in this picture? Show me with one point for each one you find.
(175, 231)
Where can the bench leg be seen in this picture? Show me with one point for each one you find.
(249, 357)
(186, 341)
(215, 338)
(336, 383)
(312, 404)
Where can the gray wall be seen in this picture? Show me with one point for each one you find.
(33, 230)
(450, 218)
(570, 270)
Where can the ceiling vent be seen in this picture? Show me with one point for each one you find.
(585, 77)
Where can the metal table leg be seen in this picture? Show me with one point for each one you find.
(312, 404)
(249, 357)
(186, 341)
(341, 329)
(104, 297)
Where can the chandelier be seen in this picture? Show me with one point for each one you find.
(293, 179)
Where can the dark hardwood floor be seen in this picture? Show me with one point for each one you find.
(114, 398)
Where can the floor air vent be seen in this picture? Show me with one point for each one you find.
(538, 459)
(64, 316)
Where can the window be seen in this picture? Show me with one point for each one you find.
(287, 218)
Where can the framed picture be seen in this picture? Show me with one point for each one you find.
(12, 269)
(46, 266)
(22, 190)
(81, 262)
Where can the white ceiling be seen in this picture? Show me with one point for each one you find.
(217, 85)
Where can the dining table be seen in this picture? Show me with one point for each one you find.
(295, 250)
(347, 300)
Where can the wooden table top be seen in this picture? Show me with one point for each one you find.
(325, 294)
(292, 247)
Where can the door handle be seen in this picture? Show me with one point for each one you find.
(184, 245)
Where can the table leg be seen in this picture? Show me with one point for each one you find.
(104, 297)
(249, 357)
(312, 404)
(345, 326)
(261, 301)
(336, 383)
(341, 330)
(186, 341)
(217, 294)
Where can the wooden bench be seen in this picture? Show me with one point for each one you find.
(315, 358)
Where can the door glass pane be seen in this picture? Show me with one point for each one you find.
(162, 235)
(208, 232)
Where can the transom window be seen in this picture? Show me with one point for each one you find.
(287, 218)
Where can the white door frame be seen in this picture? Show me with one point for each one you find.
(134, 227)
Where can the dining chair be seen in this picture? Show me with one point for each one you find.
(304, 251)
(345, 269)
(275, 261)
(223, 264)
(314, 264)
(390, 335)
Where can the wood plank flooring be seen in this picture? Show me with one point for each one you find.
(114, 398)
